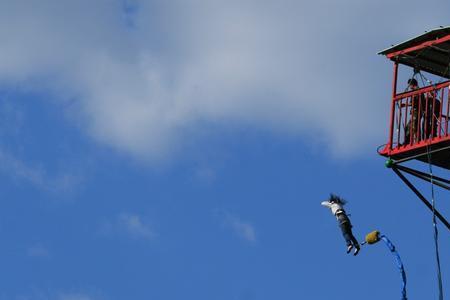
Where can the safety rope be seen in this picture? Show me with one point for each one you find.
(424, 79)
(436, 232)
(375, 237)
(399, 264)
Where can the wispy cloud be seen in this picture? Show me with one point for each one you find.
(74, 297)
(243, 229)
(135, 227)
(131, 225)
(37, 174)
(40, 294)
(204, 174)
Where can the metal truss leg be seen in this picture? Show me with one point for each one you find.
(441, 182)
(421, 197)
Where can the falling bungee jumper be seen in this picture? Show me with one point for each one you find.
(336, 204)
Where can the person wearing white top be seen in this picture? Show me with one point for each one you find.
(336, 204)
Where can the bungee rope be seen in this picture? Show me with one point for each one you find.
(375, 237)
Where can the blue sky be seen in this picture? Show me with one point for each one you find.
(181, 149)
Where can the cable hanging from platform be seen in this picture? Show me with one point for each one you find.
(436, 232)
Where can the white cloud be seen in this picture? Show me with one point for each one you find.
(149, 80)
(37, 175)
(135, 227)
(41, 294)
(205, 174)
(75, 297)
(131, 225)
(242, 229)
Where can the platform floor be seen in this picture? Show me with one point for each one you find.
(440, 154)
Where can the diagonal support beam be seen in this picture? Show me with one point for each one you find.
(421, 197)
(441, 182)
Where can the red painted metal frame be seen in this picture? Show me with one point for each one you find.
(419, 47)
(426, 89)
(394, 92)
(404, 119)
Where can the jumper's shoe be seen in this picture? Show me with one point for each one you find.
(356, 250)
(349, 248)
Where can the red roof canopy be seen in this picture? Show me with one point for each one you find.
(429, 52)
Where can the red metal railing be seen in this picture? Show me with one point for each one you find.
(419, 117)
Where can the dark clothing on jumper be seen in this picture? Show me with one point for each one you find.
(346, 228)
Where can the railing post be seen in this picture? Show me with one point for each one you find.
(433, 114)
(399, 115)
(447, 111)
(394, 93)
(426, 130)
(439, 117)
